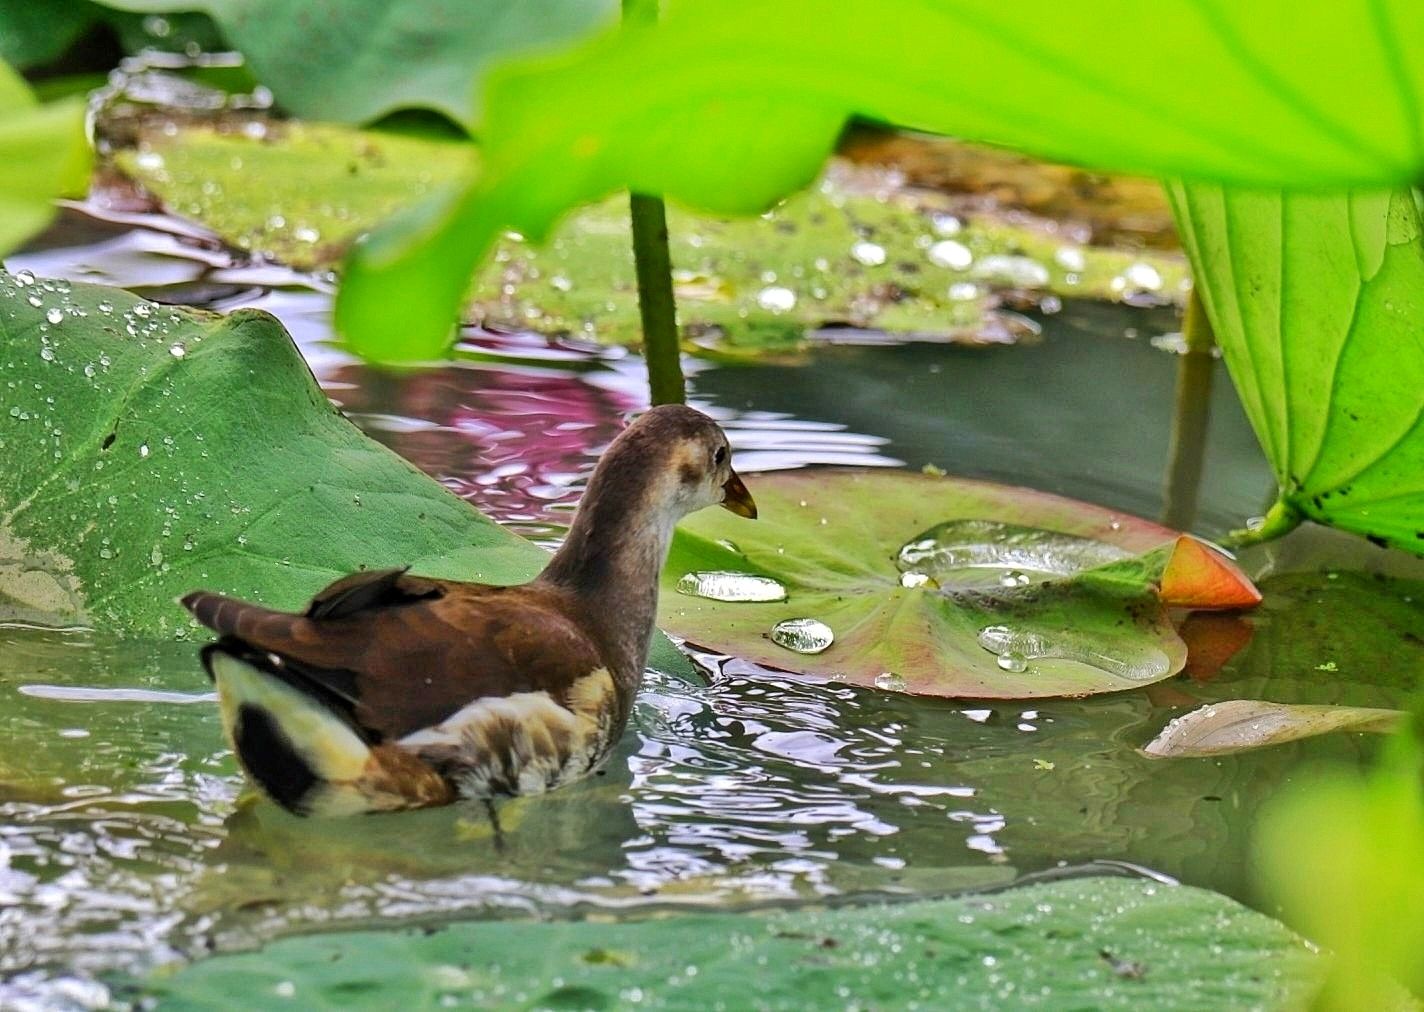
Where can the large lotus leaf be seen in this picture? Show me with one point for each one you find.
(1318, 302)
(833, 255)
(1087, 943)
(43, 154)
(299, 193)
(730, 106)
(929, 584)
(361, 60)
(151, 450)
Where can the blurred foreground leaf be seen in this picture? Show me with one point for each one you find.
(363, 59)
(43, 154)
(1343, 855)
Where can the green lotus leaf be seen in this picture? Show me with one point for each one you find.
(1318, 303)
(928, 584)
(151, 450)
(1087, 943)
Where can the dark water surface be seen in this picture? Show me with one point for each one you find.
(123, 842)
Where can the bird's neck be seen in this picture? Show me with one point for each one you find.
(611, 561)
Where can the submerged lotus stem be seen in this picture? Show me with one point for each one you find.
(1190, 415)
(653, 263)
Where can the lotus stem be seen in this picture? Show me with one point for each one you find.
(1191, 414)
(653, 264)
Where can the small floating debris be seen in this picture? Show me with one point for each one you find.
(803, 635)
(740, 588)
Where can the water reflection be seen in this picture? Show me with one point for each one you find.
(123, 840)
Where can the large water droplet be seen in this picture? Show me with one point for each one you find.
(142, 310)
(890, 682)
(1014, 662)
(803, 635)
(1071, 258)
(24, 278)
(55, 316)
(1014, 270)
(868, 253)
(177, 350)
(987, 553)
(1144, 276)
(1123, 657)
(951, 254)
(776, 299)
(737, 587)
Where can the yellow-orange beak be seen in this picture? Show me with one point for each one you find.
(736, 497)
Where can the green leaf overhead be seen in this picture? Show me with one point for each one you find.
(932, 585)
(1318, 303)
(363, 59)
(151, 450)
(43, 154)
(1090, 943)
(730, 106)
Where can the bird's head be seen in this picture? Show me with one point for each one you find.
(694, 460)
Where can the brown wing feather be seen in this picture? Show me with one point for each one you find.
(421, 649)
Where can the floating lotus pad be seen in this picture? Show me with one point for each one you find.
(1087, 943)
(942, 586)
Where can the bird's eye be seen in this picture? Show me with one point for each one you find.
(720, 455)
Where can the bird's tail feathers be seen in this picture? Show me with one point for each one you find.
(302, 753)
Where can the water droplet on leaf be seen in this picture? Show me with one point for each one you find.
(803, 635)
(727, 586)
(890, 682)
(868, 253)
(776, 299)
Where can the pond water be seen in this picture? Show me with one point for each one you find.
(124, 841)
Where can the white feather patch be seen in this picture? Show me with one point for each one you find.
(538, 723)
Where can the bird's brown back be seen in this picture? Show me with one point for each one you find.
(406, 656)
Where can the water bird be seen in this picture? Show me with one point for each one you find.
(394, 691)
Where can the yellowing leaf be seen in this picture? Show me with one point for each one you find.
(1239, 725)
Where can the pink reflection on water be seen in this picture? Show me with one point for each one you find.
(516, 442)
